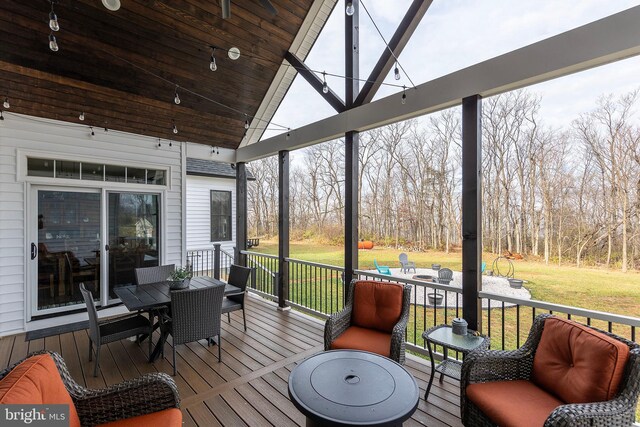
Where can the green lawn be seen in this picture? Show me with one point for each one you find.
(590, 288)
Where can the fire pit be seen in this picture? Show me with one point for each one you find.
(426, 277)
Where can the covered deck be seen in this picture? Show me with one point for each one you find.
(249, 386)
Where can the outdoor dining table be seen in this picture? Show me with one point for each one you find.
(156, 295)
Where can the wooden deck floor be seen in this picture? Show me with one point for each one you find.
(249, 387)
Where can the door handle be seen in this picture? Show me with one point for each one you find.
(34, 250)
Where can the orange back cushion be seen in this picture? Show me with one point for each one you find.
(578, 364)
(377, 305)
(37, 381)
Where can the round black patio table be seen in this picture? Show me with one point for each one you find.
(353, 388)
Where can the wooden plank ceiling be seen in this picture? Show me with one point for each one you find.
(104, 59)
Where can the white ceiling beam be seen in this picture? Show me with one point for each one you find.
(600, 42)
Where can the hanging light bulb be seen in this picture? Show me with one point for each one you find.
(53, 44)
(92, 133)
(212, 65)
(246, 122)
(1, 116)
(396, 72)
(176, 99)
(288, 133)
(53, 19)
(404, 95)
(350, 10)
(81, 117)
(6, 104)
(159, 143)
(325, 88)
(175, 128)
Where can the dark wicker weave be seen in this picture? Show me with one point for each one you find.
(144, 395)
(148, 275)
(195, 316)
(339, 322)
(238, 276)
(112, 329)
(492, 365)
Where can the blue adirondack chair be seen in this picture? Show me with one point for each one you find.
(483, 267)
(382, 269)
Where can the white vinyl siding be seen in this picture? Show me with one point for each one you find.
(199, 211)
(24, 136)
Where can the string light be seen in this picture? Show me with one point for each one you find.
(404, 95)
(215, 150)
(53, 44)
(92, 132)
(6, 104)
(212, 65)
(350, 9)
(325, 88)
(288, 133)
(396, 72)
(246, 122)
(81, 117)
(175, 128)
(53, 19)
(170, 144)
(1, 115)
(176, 98)
(159, 143)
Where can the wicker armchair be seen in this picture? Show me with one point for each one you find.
(491, 365)
(339, 322)
(144, 395)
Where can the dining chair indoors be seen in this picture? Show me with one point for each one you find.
(238, 276)
(112, 329)
(195, 315)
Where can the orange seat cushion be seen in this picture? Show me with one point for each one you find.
(167, 418)
(513, 403)
(37, 381)
(578, 364)
(377, 305)
(357, 338)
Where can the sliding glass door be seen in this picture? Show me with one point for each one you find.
(133, 235)
(67, 249)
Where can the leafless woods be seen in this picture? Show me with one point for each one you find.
(565, 195)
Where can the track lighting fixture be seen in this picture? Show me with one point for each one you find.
(176, 98)
(350, 9)
(404, 95)
(6, 104)
(175, 128)
(325, 88)
(81, 117)
(53, 19)
(53, 44)
(212, 65)
(396, 72)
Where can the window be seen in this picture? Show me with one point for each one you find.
(220, 215)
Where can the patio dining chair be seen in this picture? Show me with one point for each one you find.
(147, 275)
(405, 264)
(195, 315)
(238, 276)
(382, 269)
(112, 329)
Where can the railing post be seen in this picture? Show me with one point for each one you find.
(216, 261)
(241, 214)
(472, 210)
(283, 229)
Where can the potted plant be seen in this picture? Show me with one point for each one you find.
(180, 278)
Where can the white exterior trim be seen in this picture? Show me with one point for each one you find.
(607, 40)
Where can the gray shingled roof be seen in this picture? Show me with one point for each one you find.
(210, 168)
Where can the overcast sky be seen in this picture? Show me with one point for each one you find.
(458, 33)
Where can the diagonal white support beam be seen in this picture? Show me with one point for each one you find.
(607, 40)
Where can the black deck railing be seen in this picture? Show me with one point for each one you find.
(213, 262)
(319, 290)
